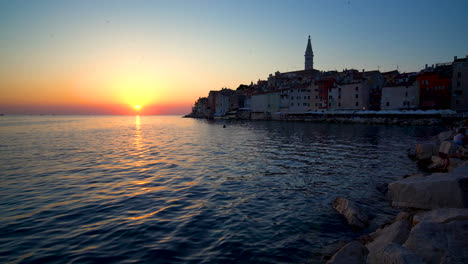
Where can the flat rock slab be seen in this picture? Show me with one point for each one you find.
(394, 233)
(396, 254)
(439, 190)
(441, 215)
(440, 242)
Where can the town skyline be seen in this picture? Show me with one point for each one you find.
(164, 55)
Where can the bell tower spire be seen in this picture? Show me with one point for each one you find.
(309, 57)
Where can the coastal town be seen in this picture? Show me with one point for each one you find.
(311, 93)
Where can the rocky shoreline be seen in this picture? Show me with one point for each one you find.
(432, 226)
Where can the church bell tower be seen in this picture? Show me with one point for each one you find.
(309, 57)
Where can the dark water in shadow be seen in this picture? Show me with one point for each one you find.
(172, 190)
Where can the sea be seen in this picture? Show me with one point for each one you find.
(166, 189)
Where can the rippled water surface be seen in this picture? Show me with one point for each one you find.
(150, 189)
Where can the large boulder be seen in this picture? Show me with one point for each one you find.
(445, 242)
(353, 252)
(426, 151)
(394, 233)
(441, 215)
(355, 217)
(396, 254)
(447, 135)
(439, 190)
(447, 147)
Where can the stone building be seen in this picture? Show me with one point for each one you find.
(401, 95)
(460, 84)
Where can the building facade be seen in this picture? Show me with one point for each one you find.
(460, 84)
(401, 96)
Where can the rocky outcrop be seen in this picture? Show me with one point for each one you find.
(426, 151)
(447, 135)
(394, 233)
(353, 252)
(441, 216)
(439, 190)
(440, 241)
(396, 254)
(355, 217)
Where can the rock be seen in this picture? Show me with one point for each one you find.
(328, 251)
(402, 216)
(394, 233)
(447, 135)
(440, 242)
(439, 190)
(441, 215)
(447, 147)
(426, 151)
(351, 212)
(353, 252)
(397, 254)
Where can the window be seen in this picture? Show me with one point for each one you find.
(292, 97)
(357, 104)
(339, 97)
(357, 96)
(458, 92)
(292, 104)
(330, 97)
(298, 104)
(357, 88)
(457, 102)
(305, 97)
(406, 94)
(339, 104)
(458, 84)
(316, 97)
(459, 75)
(304, 104)
(339, 89)
(329, 104)
(316, 104)
(388, 103)
(308, 97)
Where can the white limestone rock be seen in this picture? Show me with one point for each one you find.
(355, 217)
(447, 147)
(440, 242)
(426, 151)
(447, 135)
(396, 254)
(441, 215)
(353, 252)
(439, 190)
(394, 233)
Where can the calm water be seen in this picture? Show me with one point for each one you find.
(128, 189)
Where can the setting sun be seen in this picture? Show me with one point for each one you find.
(137, 107)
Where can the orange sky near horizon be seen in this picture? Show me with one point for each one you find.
(76, 56)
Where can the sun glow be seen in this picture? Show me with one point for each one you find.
(137, 107)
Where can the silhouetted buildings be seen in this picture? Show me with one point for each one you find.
(440, 86)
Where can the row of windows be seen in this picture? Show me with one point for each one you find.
(303, 104)
(434, 88)
(298, 97)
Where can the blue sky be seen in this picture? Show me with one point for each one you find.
(212, 44)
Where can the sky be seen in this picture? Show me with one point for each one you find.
(105, 57)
